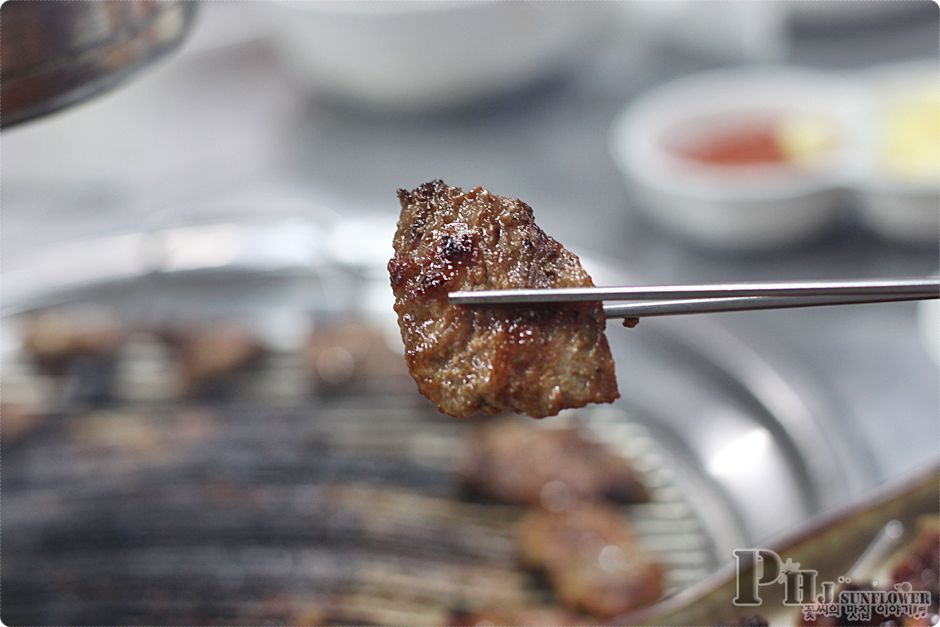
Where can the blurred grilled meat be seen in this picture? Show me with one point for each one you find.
(921, 567)
(344, 353)
(54, 340)
(208, 356)
(19, 420)
(513, 461)
(79, 347)
(533, 360)
(592, 560)
(918, 567)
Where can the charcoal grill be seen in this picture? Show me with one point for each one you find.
(280, 502)
(240, 510)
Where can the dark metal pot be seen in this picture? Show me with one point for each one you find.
(58, 53)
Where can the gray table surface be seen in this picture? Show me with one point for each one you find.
(219, 128)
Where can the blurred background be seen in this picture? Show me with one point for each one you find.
(666, 142)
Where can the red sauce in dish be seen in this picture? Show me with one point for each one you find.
(752, 145)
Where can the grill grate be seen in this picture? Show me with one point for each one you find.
(276, 504)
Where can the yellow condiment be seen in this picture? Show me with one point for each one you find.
(910, 139)
(805, 138)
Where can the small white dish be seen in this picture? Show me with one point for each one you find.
(737, 207)
(899, 206)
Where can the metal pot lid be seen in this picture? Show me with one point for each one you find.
(56, 54)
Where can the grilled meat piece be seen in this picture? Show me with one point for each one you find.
(513, 461)
(918, 567)
(341, 354)
(79, 348)
(18, 421)
(921, 569)
(592, 560)
(208, 356)
(56, 340)
(468, 359)
(326, 616)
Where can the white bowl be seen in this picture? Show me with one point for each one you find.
(430, 54)
(900, 209)
(739, 207)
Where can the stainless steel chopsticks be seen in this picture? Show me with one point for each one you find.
(744, 303)
(688, 299)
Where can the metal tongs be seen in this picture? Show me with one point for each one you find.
(669, 300)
